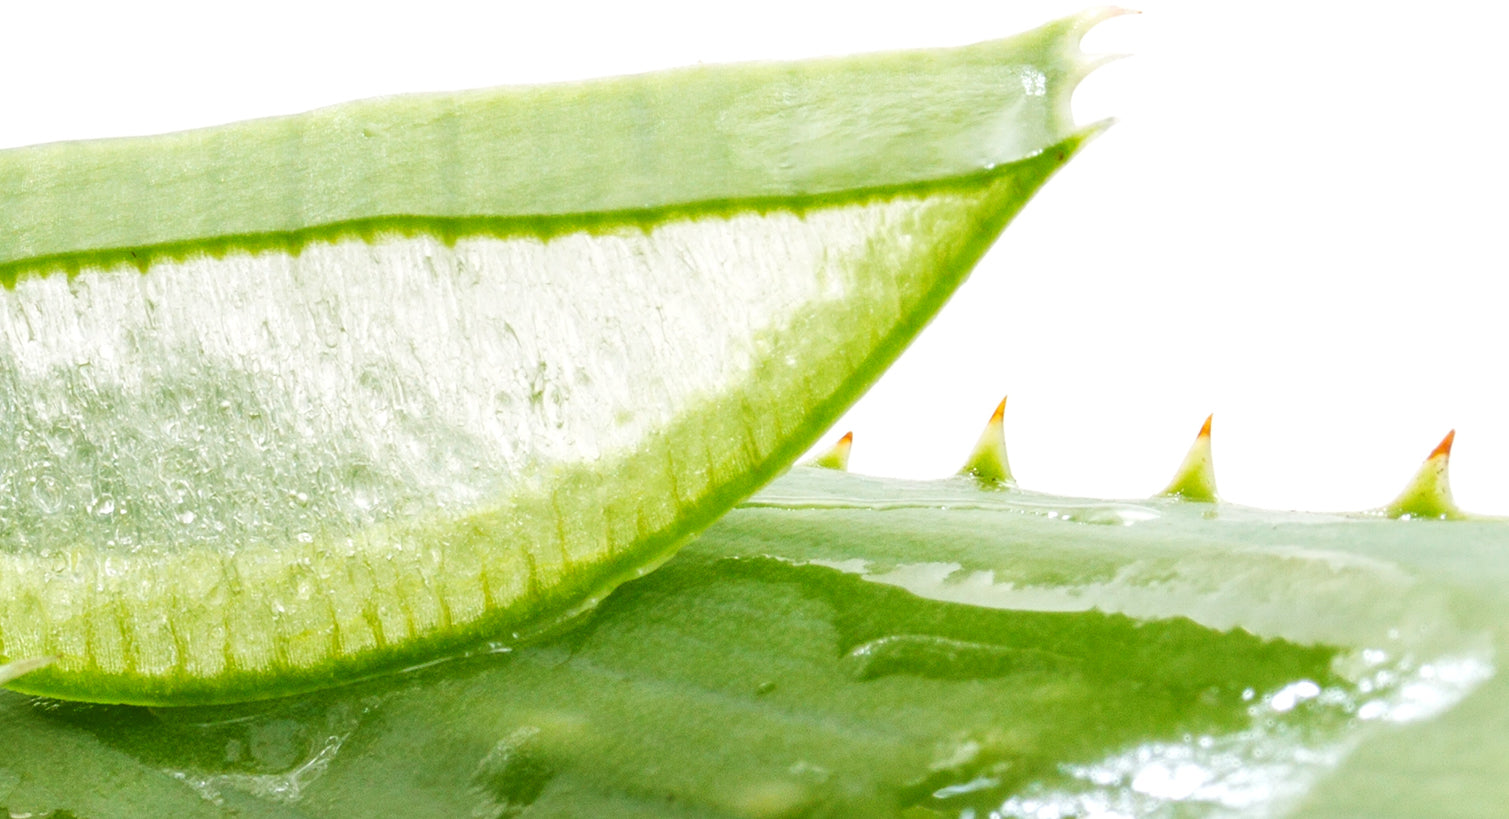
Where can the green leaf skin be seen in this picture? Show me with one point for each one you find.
(843, 645)
(546, 159)
(306, 399)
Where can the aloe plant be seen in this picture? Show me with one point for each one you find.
(837, 645)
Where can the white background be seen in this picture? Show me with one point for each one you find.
(1297, 223)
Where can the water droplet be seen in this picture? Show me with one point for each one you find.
(64, 440)
(47, 492)
(102, 505)
(327, 324)
(928, 655)
(259, 429)
(278, 745)
(511, 776)
(362, 482)
(186, 517)
(178, 491)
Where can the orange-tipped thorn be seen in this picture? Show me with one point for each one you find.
(988, 463)
(1196, 478)
(1428, 494)
(1443, 449)
(837, 457)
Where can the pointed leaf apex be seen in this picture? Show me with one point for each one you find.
(1089, 18)
(1196, 478)
(999, 417)
(987, 463)
(1443, 449)
(12, 670)
(837, 457)
(1428, 494)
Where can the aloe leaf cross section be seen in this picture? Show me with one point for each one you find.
(299, 400)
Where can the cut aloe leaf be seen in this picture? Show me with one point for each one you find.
(852, 646)
(301, 399)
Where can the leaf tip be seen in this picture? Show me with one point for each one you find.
(1443, 449)
(1091, 17)
(18, 668)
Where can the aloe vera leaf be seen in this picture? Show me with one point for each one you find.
(517, 156)
(276, 411)
(1425, 595)
(844, 645)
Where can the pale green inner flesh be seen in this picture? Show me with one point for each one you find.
(261, 398)
(250, 463)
